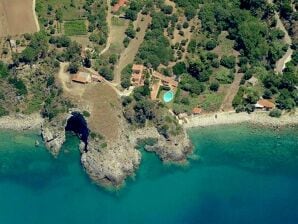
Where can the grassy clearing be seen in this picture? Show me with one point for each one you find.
(225, 47)
(69, 11)
(75, 27)
(117, 21)
(224, 75)
(211, 102)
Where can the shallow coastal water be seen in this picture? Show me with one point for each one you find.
(245, 175)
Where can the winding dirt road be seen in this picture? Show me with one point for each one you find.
(109, 21)
(281, 63)
(35, 15)
(128, 55)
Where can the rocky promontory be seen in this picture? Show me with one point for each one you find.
(173, 149)
(110, 164)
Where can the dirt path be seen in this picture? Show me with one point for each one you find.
(109, 21)
(281, 63)
(35, 15)
(231, 93)
(73, 89)
(128, 55)
(126, 92)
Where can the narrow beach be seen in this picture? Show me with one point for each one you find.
(222, 118)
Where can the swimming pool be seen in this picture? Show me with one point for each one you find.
(168, 96)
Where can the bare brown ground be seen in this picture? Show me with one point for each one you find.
(99, 99)
(231, 93)
(105, 110)
(130, 52)
(17, 17)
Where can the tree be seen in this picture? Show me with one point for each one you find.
(211, 44)
(107, 73)
(275, 113)
(87, 62)
(179, 68)
(3, 70)
(73, 67)
(214, 86)
(131, 14)
(228, 61)
(130, 32)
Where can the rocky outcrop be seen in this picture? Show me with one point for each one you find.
(175, 149)
(53, 135)
(110, 166)
(21, 122)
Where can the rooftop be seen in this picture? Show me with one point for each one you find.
(197, 110)
(137, 67)
(81, 77)
(170, 80)
(265, 103)
(117, 6)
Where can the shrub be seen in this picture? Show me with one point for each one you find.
(86, 113)
(275, 113)
(210, 44)
(228, 61)
(267, 94)
(214, 86)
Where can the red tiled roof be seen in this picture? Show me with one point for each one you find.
(169, 80)
(81, 77)
(136, 67)
(266, 103)
(196, 110)
(117, 6)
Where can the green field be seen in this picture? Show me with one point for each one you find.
(69, 11)
(75, 27)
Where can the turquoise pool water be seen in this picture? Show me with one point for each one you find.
(245, 175)
(168, 96)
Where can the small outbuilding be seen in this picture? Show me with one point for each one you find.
(137, 77)
(197, 110)
(264, 104)
(82, 77)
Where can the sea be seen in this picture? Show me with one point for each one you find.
(238, 174)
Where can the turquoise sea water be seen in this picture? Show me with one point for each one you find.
(244, 175)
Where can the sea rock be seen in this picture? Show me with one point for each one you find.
(175, 149)
(53, 136)
(112, 165)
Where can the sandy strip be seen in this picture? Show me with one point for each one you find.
(35, 16)
(261, 118)
(21, 122)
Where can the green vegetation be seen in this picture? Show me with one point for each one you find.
(125, 76)
(3, 70)
(275, 113)
(75, 27)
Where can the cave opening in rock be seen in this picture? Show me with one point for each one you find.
(77, 124)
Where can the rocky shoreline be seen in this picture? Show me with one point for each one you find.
(112, 164)
(20, 122)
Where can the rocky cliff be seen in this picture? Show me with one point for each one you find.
(175, 149)
(111, 164)
(53, 134)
